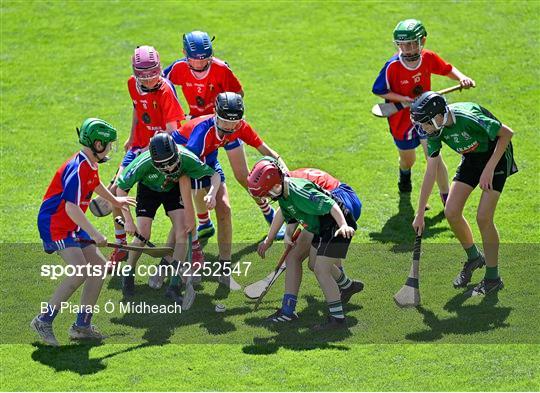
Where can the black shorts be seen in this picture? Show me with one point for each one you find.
(472, 164)
(326, 244)
(148, 201)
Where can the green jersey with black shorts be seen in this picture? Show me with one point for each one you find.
(309, 205)
(156, 188)
(474, 135)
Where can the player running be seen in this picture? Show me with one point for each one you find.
(202, 77)
(155, 109)
(300, 251)
(204, 136)
(487, 160)
(61, 221)
(163, 175)
(330, 217)
(405, 76)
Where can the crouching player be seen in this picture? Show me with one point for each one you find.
(61, 221)
(329, 216)
(487, 160)
(163, 175)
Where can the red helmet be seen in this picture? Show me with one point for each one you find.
(263, 177)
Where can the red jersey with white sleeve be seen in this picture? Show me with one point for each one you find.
(321, 178)
(200, 93)
(153, 110)
(201, 136)
(74, 182)
(396, 77)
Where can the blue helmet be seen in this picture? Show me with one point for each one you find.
(198, 45)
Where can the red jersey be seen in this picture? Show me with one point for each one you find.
(201, 93)
(396, 77)
(153, 110)
(320, 178)
(74, 182)
(201, 136)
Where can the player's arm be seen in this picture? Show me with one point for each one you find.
(210, 197)
(265, 150)
(277, 222)
(425, 192)
(78, 217)
(119, 202)
(504, 136)
(463, 79)
(395, 97)
(189, 210)
(344, 229)
(129, 224)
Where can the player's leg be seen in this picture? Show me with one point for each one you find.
(407, 158)
(83, 328)
(490, 241)
(459, 193)
(176, 215)
(442, 173)
(293, 278)
(205, 229)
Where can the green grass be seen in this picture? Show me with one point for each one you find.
(307, 70)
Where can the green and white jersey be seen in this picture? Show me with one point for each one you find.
(305, 203)
(474, 130)
(142, 170)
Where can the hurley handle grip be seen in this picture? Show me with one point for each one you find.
(417, 247)
(121, 222)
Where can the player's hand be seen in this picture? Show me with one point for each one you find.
(419, 224)
(467, 83)
(287, 240)
(99, 239)
(124, 202)
(189, 222)
(346, 231)
(127, 144)
(210, 201)
(486, 179)
(263, 247)
(130, 227)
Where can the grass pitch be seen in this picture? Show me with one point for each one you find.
(307, 70)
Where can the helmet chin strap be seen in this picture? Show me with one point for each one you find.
(199, 70)
(147, 90)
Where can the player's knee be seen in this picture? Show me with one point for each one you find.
(223, 209)
(241, 178)
(484, 220)
(452, 213)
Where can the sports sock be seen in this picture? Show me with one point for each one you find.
(266, 209)
(83, 319)
(204, 218)
(336, 309)
(492, 273)
(120, 236)
(288, 305)
(49, 315)
(404, 172)
(343, 281)
(472, 252)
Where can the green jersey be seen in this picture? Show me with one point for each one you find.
(305, 203)
(474, 130)
(142, 170)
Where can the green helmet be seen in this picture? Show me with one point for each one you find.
(409, 30)
(93, 129)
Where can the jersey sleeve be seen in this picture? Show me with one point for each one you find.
(250, 136)
(381, 85)
(134, 172)
(311, 201)
(172, 111)
(71, 184)
(172, 73)
(193, 167)
(489, 123)
(231, 82)
(438, 65)
(196, 140)
(434, 146)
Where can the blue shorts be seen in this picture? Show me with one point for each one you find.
(204, 182)
(346, 194)
(131, 154)
(69, 241)
(409, 144)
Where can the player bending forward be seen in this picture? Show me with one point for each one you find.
(330, 218)
(487, 160)
(61, 222)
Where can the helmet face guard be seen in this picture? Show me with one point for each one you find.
(226, 126)
(229, 111)
(409, 50)
(424, 110)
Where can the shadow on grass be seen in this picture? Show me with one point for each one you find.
(298, 335)
(469, 319)
(398, 228)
